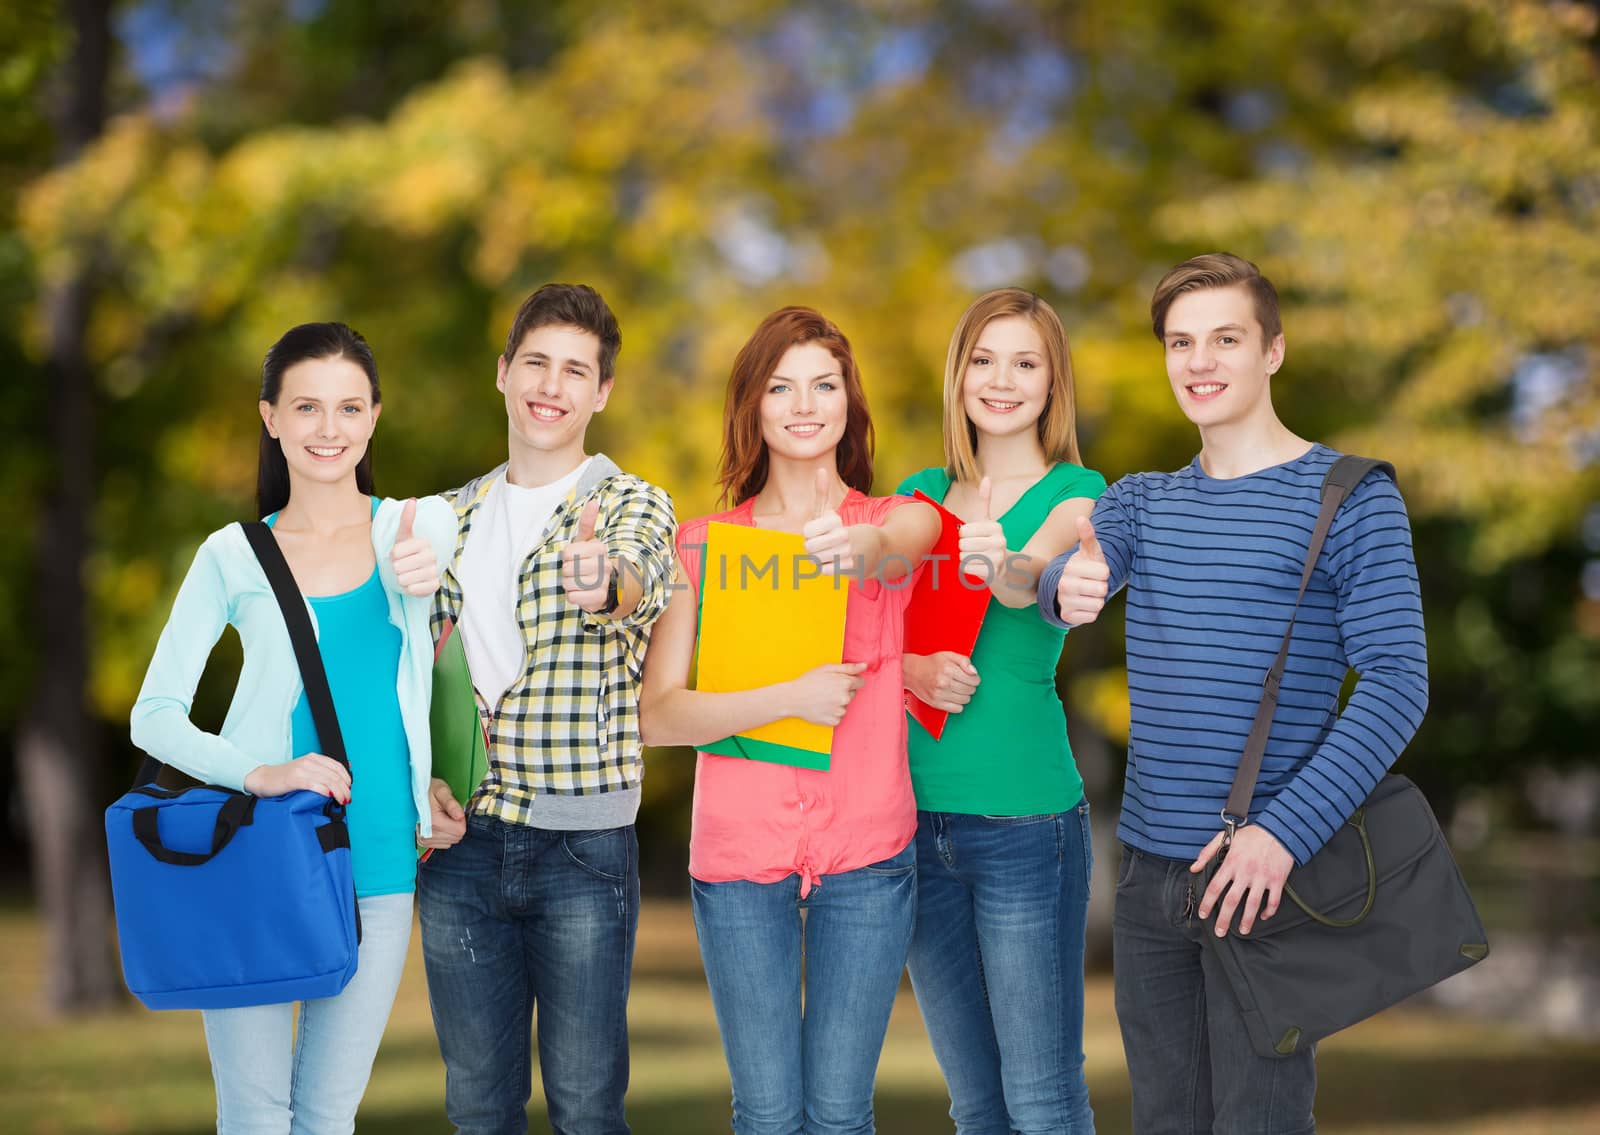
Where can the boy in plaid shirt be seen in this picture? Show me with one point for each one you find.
(532, 896)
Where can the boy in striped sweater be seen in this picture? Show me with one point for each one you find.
(1211, 556)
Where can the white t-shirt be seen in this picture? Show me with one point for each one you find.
(508, 525)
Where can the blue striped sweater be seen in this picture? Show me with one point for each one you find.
(1211, 568)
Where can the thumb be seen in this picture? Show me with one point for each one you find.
(1206, 853)
(1087, 544)
(985, 496)
(586, 520)
(443, 797)
(852, 667)
(824, 483)
(408, 517)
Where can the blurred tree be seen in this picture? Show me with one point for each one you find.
(58, 752)
(257, 64)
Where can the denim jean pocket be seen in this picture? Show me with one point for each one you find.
(903, 862)
(607, 853)
(1017, 821)
(1130, 860)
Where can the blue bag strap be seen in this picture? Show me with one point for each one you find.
(1339, 482)
(306, 652)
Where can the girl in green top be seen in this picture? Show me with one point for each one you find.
(1003, 852)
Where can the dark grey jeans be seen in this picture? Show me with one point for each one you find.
(1189, 1057)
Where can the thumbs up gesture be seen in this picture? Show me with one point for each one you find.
(415, 568)
(586, 564)
(982, 543)
(1084, 580)
(827, 537)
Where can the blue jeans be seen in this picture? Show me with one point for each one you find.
(515, 917)
(268, 1084)
(997, 965)
(807, 1072)
(1189, 1056)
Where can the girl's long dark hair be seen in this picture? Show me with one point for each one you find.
(307, 341)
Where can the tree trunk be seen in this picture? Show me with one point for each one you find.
(59, 763)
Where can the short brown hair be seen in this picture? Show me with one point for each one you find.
(1057, 425)
(1217, 270)
(569, 305)
(744, 454)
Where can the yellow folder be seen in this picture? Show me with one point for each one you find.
(767, 615)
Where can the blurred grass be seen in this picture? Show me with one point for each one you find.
(1411, 1072)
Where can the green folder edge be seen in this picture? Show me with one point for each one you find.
(769, 751)
(750, 748)
(460, 756)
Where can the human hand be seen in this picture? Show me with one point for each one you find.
(586, 564)
(821, 696)
(982, 543)
(826, 534)
(448, 819)
(415, 567)
(311, 773)
(1252, 874)
(944, 680)
(1085, 580)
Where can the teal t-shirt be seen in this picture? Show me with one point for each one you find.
(1006, 752)
(360, 650)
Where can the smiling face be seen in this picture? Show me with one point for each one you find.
(323, 418)
(1007, 380)
(552, 387)
(804, 408)
(1219, 360)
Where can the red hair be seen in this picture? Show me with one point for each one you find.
(745, 465)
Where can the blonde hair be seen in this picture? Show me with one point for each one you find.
(1058, 423)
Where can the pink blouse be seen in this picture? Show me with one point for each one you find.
(762, 822)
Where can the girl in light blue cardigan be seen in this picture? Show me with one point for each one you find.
(368, 568)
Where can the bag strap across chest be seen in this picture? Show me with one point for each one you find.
(301, 635)
(1342, 478)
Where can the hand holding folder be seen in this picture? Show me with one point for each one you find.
(946, 612)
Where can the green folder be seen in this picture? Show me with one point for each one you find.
(460, 754)
(756, 750)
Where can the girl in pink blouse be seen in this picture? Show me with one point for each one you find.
(769, 840)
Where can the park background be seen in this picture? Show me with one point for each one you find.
(182, 180)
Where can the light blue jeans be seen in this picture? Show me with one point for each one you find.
(997, 964)
(273, 1078)
(810, 1072)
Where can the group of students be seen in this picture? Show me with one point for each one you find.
(966, 857)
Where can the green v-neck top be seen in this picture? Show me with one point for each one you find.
(1006, 753)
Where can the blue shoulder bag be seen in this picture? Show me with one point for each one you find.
(224, 899)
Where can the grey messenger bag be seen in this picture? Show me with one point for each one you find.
(1378, 914)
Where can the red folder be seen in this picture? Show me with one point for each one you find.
(946, 611)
